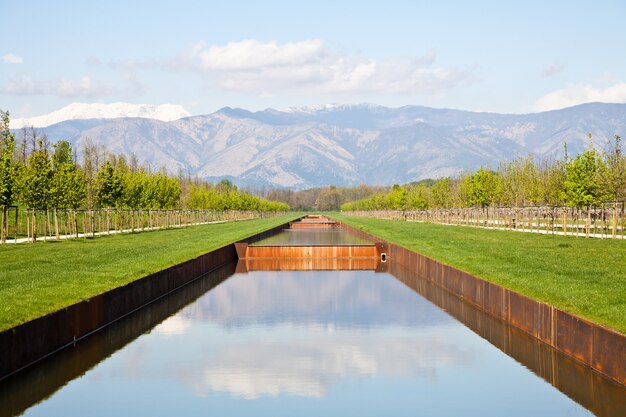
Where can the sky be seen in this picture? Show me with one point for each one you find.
(499, 56)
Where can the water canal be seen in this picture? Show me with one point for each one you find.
(247, 341)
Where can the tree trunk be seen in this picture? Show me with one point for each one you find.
(3, 225)
(56, 224)
(34, 226)
(614, 234)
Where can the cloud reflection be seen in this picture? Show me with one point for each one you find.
(345, 298)
(307, 362)
(270, 334)
(174, 325)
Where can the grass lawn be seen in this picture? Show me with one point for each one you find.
(36, 279)
(586, 277)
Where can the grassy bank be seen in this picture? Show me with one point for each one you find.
(586, 277)
(36, 279)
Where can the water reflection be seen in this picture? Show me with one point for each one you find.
(305, 360)
(310, 343)
(341, 298)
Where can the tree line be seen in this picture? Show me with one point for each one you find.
(320, 198)
(586, 180)
(36, 175)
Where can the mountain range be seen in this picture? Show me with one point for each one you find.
(81, 111)
(343, 144)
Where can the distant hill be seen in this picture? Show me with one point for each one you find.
(82, 111)
(344, 144)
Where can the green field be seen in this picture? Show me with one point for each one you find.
(36, 279)
(586, 277)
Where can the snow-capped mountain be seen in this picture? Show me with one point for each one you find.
(81, 111)
(345, 144)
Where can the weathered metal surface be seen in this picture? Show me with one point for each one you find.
(314, 222)
(19, 392)
(307, 264)
(241, 248)
(284, 252)
(312, 225)
(600, 348)
(601, 395)
(27, 343)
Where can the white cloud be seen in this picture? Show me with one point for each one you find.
(261, 67)
(252, 55)
(581, 93)
(11, 58)
(553, 69)
(83, 87)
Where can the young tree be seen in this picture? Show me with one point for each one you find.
(397, 198)
(35, 184)
(108, 186)
(484, 188)
(67, 188)
(613, 178)
(8, 172)
(328, 199)
(441, 193)
(418, 197)
(583, 179)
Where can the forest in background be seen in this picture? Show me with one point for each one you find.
(36, 175)
(586, 180)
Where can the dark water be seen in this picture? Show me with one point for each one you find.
(312, 237)
(310, 343)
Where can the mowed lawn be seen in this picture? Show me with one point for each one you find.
(586, 277)
(36, 279)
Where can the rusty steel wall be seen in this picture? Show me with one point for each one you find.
(307, 264)
(27, 343)
(31, 341)
(320, 252)
(21, 390)
(600, 395)
(602, 349)
(313, 225)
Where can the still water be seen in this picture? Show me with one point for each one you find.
(305, 343)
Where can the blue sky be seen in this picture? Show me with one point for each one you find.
(502, 56)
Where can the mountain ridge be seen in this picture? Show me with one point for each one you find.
(84, 111)
(345, 144)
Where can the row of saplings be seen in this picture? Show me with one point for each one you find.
(48, 180)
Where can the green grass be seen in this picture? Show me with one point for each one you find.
(586, 277)
(36, 279)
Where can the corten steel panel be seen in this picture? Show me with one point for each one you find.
(310, 251)
(29, 342)
(241, 248)
(497, 301)
(310, 264)
(573, 336)
(609, 353)
(600, 395)
(299, 225)
(593, 345)
(40, 381)
(546, 320)
(381, 247)
(473, 291)
(524, 313)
